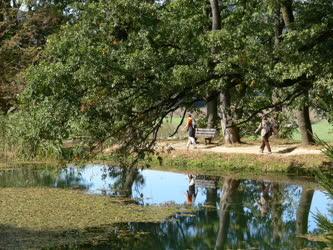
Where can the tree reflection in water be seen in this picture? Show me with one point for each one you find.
(237, 222)
(228, 214)
(302, 216)
(28, 177)
(228, 200)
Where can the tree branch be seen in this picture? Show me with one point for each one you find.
(321, 38)
(290, 97)
(180, 123)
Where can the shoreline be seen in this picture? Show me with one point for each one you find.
(213, 159)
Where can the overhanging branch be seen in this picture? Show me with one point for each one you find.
(180, 123)
(286, 101)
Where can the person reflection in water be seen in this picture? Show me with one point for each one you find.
(264, 199)
(191, 194)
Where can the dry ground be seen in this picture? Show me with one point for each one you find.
(280, 150)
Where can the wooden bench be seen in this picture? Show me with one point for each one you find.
(207, 133)
(207, 181)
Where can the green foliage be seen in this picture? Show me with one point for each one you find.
(114, 74)
(286, 124)
(326, 181)
(324, 223)
(327, 148)
(20, 46)
(21, 137)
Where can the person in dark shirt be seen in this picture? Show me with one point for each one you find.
(190, 127)
(265, 128)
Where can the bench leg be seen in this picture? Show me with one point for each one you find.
(208, 141)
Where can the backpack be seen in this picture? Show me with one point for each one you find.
(270, 130)
(194, 124)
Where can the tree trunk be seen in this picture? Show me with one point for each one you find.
(278, 26)
(216, 16)
(212, 110)
(277, 211)
(230, 131)
(303, 117)
(302, 216)
(213, 97)
(241, 219)
(211, 197)
(128, 180)
(304, 124)
(287, 13)
(229, 190)
(231, 135)
(278, 29)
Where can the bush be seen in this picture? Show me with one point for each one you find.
(20, 138)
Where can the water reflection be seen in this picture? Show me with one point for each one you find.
(237, 224)
(28, 177)
(191, 193)
(231, 214)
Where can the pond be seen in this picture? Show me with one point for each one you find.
(229, 213)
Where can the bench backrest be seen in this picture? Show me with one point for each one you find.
(206, 132)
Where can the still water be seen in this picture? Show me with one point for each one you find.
(229, 213)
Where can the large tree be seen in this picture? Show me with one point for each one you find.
(121, 67)
(114, 75)
(22, 40)
(303, 111)
(302, 57)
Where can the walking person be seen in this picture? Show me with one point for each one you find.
(265, 198)
(266, 128)
(190, 127)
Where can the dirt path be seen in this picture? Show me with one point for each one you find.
(280, 150)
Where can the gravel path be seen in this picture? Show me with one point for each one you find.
(280, 150)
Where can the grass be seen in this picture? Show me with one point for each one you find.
(210, 162)
(169, 126)
(322, 129)
(244, 164)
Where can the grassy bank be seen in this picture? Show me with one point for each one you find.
(217, 164)
(205, 163)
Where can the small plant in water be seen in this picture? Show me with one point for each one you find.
(326, 181)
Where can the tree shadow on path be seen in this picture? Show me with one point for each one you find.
(287, 150)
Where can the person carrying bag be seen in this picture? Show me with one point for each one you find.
(266, 132)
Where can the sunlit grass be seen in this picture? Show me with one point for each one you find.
(322, 129)
(169, 126)
(217, 164)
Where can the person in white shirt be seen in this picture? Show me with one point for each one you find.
(191, 194)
